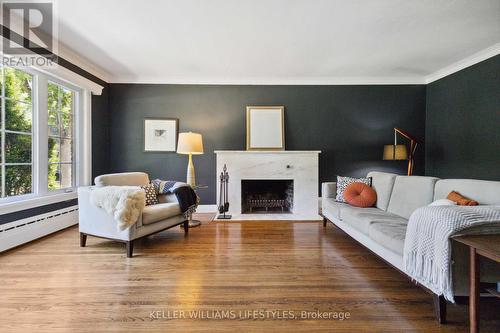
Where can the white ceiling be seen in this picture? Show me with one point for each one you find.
(277, 41)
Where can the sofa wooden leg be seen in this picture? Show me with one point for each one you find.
(83, 239)
(440, 308)
(130, 248)
(186, 227)
(324, 221)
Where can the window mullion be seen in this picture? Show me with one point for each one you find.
(2, 137)
(42, 137)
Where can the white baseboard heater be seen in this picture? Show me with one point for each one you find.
(22, 231)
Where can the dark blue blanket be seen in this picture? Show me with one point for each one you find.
(186, 196)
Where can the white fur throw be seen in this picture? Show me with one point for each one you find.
(125, 203)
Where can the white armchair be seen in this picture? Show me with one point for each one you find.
(95, 221)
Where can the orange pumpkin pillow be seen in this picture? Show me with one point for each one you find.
(360, 195)
(460, 199)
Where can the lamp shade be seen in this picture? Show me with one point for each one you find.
(395, 152)
(190, 143)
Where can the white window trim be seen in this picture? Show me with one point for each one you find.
(83, 138)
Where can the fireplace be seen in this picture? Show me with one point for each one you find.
(266, 196)
(271, 168)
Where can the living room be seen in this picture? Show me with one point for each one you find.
(249, 165)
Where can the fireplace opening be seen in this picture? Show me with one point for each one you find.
(266, 196)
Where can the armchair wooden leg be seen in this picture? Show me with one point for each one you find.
(186, 227)
(83, 239)
(440, 308)
(130, 248)
(324, 221)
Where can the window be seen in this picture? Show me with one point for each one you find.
(39, 135)
(16, 132)
(60, 136)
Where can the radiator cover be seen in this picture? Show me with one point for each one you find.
(22, 231)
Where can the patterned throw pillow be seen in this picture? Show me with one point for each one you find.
(343, 182)
(166, 186)
(151, 194)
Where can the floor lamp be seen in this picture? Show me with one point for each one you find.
(190, 144)
(397, 152)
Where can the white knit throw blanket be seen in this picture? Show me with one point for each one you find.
(427, 250)
(125, 203)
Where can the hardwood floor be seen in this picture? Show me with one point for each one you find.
(54, 285)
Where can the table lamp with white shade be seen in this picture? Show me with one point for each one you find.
(190, 144)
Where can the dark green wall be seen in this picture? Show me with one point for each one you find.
(100, 133)
(463, 123)
(350, 124)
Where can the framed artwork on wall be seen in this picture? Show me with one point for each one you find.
(160, 134)
(265, 128)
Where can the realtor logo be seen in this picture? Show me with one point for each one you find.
(29, 28)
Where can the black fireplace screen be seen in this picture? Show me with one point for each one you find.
(266, 196)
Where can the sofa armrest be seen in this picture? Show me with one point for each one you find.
(96, 221)
(329, 189)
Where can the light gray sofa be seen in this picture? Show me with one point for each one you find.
(382, 228)
(97, 222)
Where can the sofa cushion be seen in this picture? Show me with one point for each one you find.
(123, 179)
(389, 234)
(382, 182)
(361, 218)
(485, 192)
(410, 193)
(162, 211)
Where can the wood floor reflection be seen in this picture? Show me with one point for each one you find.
(220, 268)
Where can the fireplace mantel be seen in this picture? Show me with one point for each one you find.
(301, 166)
(266, 151)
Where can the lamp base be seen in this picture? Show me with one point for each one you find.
(190, 176)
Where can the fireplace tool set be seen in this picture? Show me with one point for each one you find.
(223, 192)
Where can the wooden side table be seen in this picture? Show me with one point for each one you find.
(479, 245)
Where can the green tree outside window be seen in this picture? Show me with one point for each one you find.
(16, 132)
(16, 129)
(60, 149)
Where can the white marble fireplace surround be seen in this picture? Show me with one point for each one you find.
(300, 166)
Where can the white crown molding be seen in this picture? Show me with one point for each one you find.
(77, 60)
(272, 80)
(411, 80)
(464, 63)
